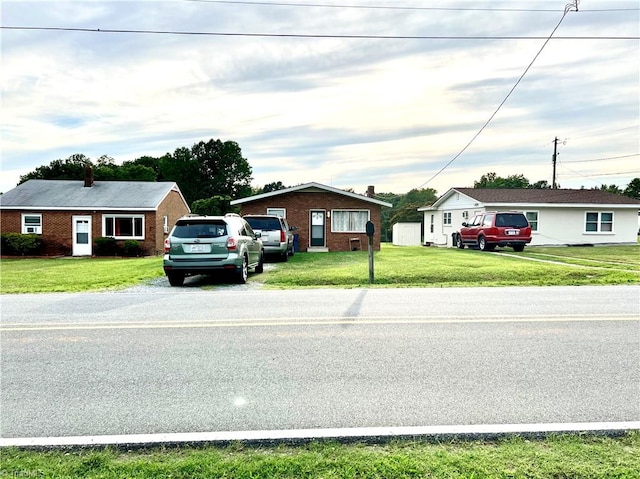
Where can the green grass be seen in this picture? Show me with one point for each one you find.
(75, 274)
(443, 267)
(566, 456)
(394, 266)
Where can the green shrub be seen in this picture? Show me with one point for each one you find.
(132, 248)
(16, 244)
(106, 246)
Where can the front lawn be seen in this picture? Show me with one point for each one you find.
(394, 266)
(442, 267)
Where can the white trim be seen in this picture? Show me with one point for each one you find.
(349, 210)
(310, 186)
(476, 431)
(128, 216)
(98, 209)
(37, 229)
(270, 211)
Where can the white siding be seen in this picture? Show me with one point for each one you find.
(562, 226)
(461, 208)
(407, 234)
(557, 224)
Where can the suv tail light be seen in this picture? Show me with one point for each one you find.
(232, 243)
(283, 237)
(167, 245)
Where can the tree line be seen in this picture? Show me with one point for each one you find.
(212, 173)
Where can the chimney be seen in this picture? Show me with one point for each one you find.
(371, 192)
(88, 176)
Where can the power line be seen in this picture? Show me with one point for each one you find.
(315, 35)
(396, 7)
(567, 9)
(601, 159)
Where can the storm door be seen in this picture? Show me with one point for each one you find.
(317, 237)
(81, 235)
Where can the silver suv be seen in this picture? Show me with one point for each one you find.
(276, 235)
(210, 244)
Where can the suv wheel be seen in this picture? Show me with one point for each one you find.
(459, 242)
(483, 245)
(175, 279)
(518, 247)
(243, 272)
(284, 257)
(260, 268)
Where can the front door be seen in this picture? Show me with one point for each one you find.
(317, 227)
(81, 235)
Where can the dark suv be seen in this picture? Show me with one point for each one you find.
(495, 228)
(276, 235)
(209, 244)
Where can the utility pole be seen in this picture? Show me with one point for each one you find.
(555, 156)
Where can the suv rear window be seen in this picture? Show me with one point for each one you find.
(264, 223)
(200, 229)
(511, 220)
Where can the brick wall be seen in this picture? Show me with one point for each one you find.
(57, 226)
(297, 206)
(173, 207)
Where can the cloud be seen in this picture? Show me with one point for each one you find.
(348, 112)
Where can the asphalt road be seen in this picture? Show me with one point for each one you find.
(166, 360)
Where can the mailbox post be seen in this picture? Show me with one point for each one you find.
(370, 230)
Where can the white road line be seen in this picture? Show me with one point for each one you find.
(234, 323)
(302, 435)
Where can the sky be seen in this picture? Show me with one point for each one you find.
(348, 93)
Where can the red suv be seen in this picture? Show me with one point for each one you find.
(495, 228)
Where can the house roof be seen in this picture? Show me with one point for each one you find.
(311, 187)
(543, 197)
(103, 195)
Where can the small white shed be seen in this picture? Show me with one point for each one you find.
(407, 234)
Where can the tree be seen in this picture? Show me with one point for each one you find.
(222, 168)
(404, 209)
(541, 185)
(70, 169)
(184, 170)
(609, 188)
(274, 186)
(214, 206)
(633, 189)
(491, 180)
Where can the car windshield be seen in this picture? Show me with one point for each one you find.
(264, 223)
(512, 220)
(200, 229)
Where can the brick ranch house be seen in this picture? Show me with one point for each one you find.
(326, 218)
(69, 215)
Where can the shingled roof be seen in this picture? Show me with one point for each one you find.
(102, 195)
(532, 195)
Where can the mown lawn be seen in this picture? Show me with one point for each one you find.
(394, 266)
(443, 267)
(566, 456)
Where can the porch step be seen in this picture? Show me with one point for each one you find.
(317, 249)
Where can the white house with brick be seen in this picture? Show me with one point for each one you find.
(557, 216)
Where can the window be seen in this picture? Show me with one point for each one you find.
(32, 224)
(446, 218)
(465, 215)
(123, 226)
(532, 218)
(598, 222)
(488, 220)
(165, 224)
(351, 221)
(277, 211)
